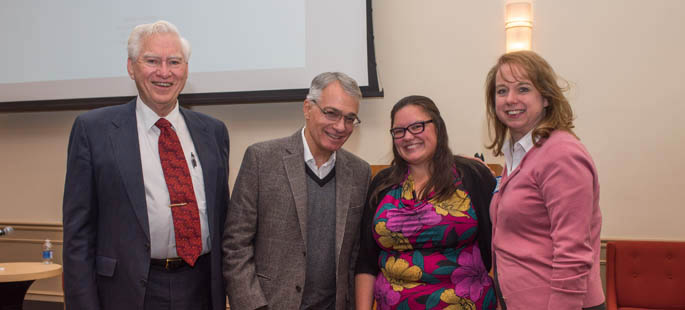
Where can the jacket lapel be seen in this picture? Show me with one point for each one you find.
(124, 137)
(293, 161)
(208, 158)
(343, 182)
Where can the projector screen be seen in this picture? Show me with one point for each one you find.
(71, 54)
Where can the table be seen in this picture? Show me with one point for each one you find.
(16, 278)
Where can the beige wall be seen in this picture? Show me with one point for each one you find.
(623, 59)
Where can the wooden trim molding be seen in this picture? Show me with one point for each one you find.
(32, 241)
(47, 226)
(33, 232)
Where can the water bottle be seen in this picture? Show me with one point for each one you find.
(47, 252)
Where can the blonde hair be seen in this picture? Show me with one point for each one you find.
(558, 114)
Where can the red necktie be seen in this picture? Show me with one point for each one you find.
(182, 196)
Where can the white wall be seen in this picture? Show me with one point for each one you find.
(623, 59)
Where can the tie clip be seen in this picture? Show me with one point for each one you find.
(180, 204)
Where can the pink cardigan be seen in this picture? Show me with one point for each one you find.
(546, 223)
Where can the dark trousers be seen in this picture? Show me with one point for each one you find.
(185, 288)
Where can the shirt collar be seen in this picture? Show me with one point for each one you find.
(526, 143)
(149, 117)
(309, 158)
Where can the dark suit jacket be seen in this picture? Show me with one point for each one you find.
(106, 231)
(266, 232)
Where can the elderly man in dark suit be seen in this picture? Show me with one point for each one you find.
(146, 192)
(292, 232)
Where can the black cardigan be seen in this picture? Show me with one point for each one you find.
(478, 182)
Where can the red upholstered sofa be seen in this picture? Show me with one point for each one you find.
(647, 275)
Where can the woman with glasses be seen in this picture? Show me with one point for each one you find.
(545, 215)
(425, 239)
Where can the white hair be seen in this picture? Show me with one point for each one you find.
(141, 32)
(322, 80)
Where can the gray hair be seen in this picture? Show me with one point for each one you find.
(322, 80)
(141, 32)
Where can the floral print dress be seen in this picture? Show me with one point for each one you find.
(429, 257)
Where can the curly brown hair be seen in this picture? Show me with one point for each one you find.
(558, 114)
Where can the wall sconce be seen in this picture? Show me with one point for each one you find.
(518, 24)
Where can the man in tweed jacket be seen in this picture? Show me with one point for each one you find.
(292, 229)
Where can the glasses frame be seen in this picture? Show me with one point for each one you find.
(155, 62)
(334, 115)
(405, 129)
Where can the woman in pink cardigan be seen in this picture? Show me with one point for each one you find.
(545, 212)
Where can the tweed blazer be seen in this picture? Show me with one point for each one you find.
(265, 239)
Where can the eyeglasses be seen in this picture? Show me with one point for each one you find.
(155, 62)
(334, 115)
(415, 128)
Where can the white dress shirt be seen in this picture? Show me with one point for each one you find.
(162, 238)
(322, 171)
(514, 155)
